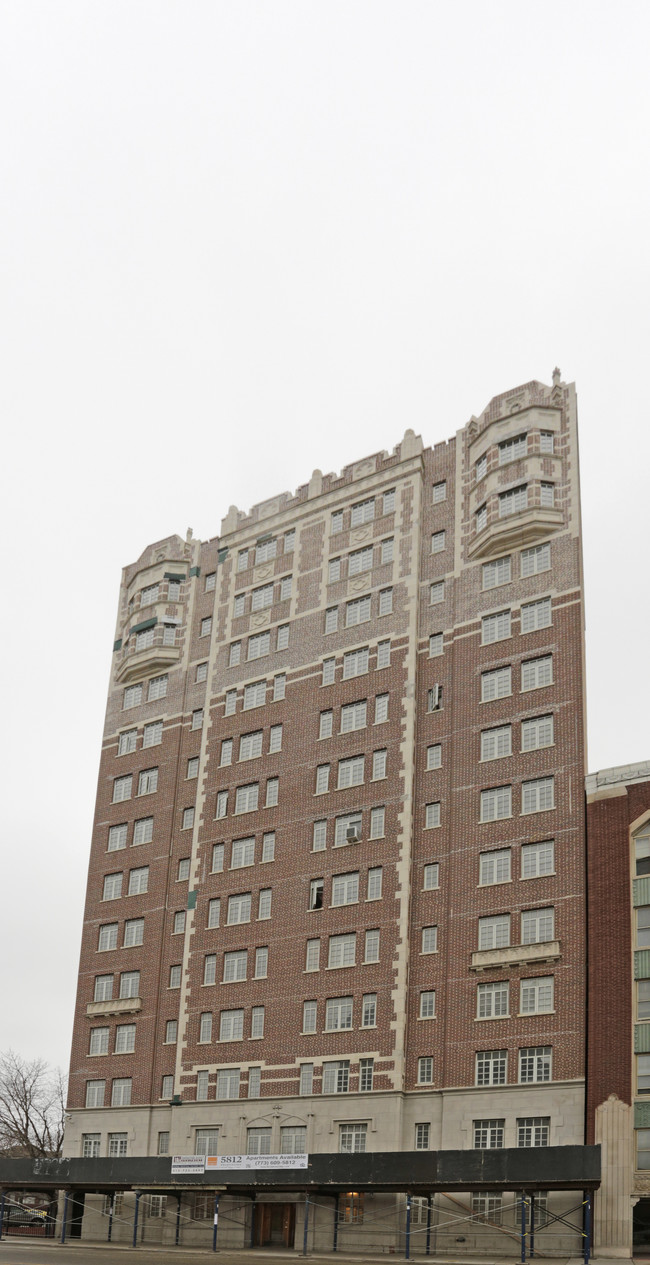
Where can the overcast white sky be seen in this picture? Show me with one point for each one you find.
(242, 240)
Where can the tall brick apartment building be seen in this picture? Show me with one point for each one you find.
(336, 887)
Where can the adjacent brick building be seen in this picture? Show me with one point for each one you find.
(337, 875)
(618, 1033)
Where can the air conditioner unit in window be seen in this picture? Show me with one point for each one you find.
(352, 834)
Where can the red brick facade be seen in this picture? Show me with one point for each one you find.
(429, 503)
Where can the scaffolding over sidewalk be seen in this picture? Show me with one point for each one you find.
(437, 1177)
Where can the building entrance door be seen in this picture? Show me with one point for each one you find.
(275, 1225)
(641, 1228)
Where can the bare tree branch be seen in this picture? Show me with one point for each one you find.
(32, 1107)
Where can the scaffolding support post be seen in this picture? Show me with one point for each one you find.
(215, 1223)
(135, 1218)
(110, 1217)
(306, 1226)
(531, 1251)
(523, 1226)
(587, 1236)
(407, 1242)
(335, 1241)
(178, 1220)
(253, 1211)
(66, 1197)
(428, 1246)
(3, 1196)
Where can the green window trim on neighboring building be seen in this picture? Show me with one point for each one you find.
(642, 964)
(171, 575)
(223, 554)
(191, 899)
(642, 1038)
(641, 891)
(195, 571)
(117, 645)
(146, 623)
(642, 1115)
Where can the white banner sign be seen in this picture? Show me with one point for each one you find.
(241, 1162)
(188, 1163)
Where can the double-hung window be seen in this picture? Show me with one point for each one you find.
(436, 592)
(357, 611)
(537, 926)
(538, 859)
(535, 1064)
(132, 697)
(231, 1025)
(112, 889)
(496, 743)
(338, 1014)
(347, 829)
(336, 1077)
(262, 598)
(148, 782)
(353, 716)
(355, 663)
(122, 788)
(489, 1134)
(250, 745)
(246, 798)
(243, 853)
(536, 733)
(535, 560)
(496, 803)
(536, 615)
(345, 889)
(227, 1084)
(127, 740)
(234, 965)
(239, 908)
(352, 1138)
(491, 1067)
(362, 512)
(133, 932)
(495, 627)
(533, 1131)
(360, 560)
(494, 867)
(496, 684)
(536, 673)
(259, 645)
(538, 795)
(254, 695)
(265, 549)
(369, 1010)
(492, 1000)
(494, 932)
(536, 995)
(153, 734)
(351, 772)
(513, 449)
(118, 838)
(342, 951)
(434, 756)
(497, 572)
